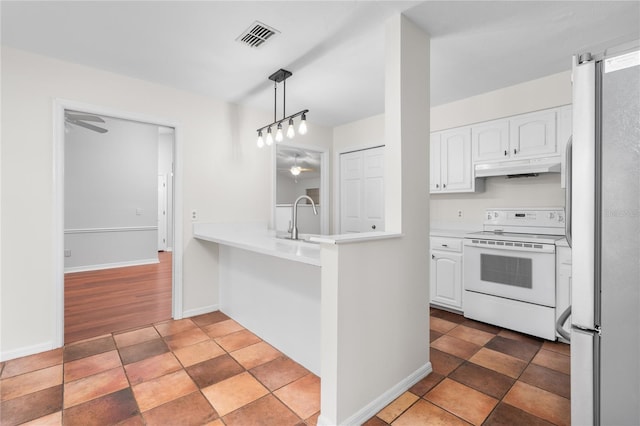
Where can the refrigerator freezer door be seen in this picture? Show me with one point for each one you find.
(583, 376)
(583, 194)
(620, 241)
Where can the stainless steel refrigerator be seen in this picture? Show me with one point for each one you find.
(605, 232)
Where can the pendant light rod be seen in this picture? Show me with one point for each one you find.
(275, 122)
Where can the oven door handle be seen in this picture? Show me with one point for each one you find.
(546, 248)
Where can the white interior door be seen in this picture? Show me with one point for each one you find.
(351, 189)
(162, 212)
(362, 191)
(373, 190)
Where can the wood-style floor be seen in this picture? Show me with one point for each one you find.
(102, 302)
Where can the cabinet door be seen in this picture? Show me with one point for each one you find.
(446, 281)
(533, 135)
(456, 160)
(435, 185)
(490, 141)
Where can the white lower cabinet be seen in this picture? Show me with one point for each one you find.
(446, 272)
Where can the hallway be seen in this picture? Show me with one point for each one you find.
(111, 300)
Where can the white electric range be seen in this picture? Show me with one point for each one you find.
(510, 269)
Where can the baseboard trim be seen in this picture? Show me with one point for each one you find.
(371, 409)
(102, 266)
(25, 351)
(199, 311)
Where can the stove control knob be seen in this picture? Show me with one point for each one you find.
(495, 214)
(488, 215)
(552, 215)
(560, 218)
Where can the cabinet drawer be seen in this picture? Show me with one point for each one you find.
(447, 244)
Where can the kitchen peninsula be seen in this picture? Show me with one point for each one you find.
(278, 296)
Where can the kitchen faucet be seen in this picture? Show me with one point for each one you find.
(294, 215)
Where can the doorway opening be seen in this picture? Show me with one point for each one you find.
(118, 251)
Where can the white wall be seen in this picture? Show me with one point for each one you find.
(546, 92)
(226, 178)
(379, 288)
(111, 187)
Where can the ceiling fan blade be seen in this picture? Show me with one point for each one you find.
(88, 126)
(84, 117)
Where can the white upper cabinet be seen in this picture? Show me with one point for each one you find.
(490, 140)
(533, 134)
(435, 183)
(451, 168)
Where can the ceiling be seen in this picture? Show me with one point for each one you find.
(335, 49)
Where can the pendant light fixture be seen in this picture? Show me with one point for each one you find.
(281, 76)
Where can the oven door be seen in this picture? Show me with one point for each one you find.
(527, 274)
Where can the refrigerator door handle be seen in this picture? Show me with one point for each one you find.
(567, 223)
(560, 323)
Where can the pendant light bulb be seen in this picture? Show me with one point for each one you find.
(295, 170)
(279, 135)
(302, 129)
(269, 140)
(291, 132)
(260, 139)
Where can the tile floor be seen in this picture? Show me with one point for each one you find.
(209, 370)
(484, 375)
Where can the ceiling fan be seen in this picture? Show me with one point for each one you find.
(295, 170)
(80, 119)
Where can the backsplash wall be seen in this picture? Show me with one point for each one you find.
(540, 191)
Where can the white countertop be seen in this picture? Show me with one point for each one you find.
(449, 233)
(256, 237)
(259, 239)
(353, 238)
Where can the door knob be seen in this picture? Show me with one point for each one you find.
(373, 227)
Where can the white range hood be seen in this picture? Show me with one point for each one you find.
(518, 167)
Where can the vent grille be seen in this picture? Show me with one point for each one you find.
(256, 34)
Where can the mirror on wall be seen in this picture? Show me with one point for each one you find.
(300, 171)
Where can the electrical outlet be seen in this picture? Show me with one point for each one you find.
(194, 215)
(459, 213)
(67, 253)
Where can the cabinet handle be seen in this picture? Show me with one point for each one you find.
(515, 151)
(437, 185)
(444, 185)
(373, 227)
(505, 153)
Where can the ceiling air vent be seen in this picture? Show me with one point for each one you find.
(256, 34)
